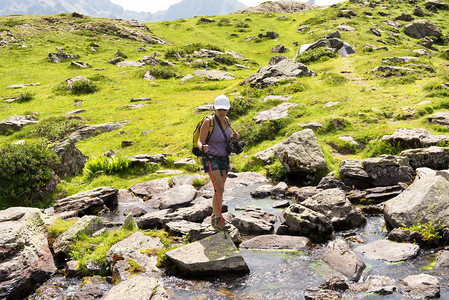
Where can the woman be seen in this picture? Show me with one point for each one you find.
(216, 153)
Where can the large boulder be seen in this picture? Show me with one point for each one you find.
(433, 157)
(301, 153)
(425, 200)
(25, 258)
(134, 251)
(303, 221)
(179, 196)
(276, 113)
(72, 160)
(86, 225)
(212, 255)
(420, 286)
(386, 250)
(334, 205)
(88, 202)
(140, 287)
(283, 70)
(254, 222)
(414, 138)
(339, 256)
(420, 29)
(89, 131)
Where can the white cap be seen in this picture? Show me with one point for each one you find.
(222, 102)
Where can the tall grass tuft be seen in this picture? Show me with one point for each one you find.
(106, 165)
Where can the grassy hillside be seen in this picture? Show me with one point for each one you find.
(372, 105)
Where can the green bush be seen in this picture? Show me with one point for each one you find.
(25, 97)
(162, 72)
(83, 87)
(255, 134)
(318, 54)
(189, 49)
(276, 171)
(57, 128)
(239, 107)
(106, 165)
(24, 170)
(224, 22)
(227, 59)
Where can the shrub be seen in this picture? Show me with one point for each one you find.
(106, 165)
(276, 171)
(239, 107)
(227, 59)
(258, 133)
(83, 87)
(429, 231)
(25, 97)
(224, 22)
(57, 128)
(24, 170)
(318, 54)
(162, 72)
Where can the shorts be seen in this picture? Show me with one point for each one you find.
(216, 163)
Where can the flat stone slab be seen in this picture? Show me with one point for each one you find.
(214, 254)
(388, 250)
(277, 242)
(275, 113)
(213, 74)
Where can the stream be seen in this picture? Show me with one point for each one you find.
(277, 274)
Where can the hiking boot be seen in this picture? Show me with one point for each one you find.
(217, 225)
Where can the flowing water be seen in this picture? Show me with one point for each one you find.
(280, 274)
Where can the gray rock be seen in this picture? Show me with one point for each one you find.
(262, 191)
(26, 259)
(149, 60)
(61, 56)
(72, 160)
(301, 220)
(388, 251)
(433, 157)
(425, 200)
(336, 207)
(201, 209)
(339, 256)
(136, 250)
(130, 63)
(405, 17)
(80, 64)
(330, 181)
(254, 222)
(403, 235)
(276, 98)
(91, 288)
(140, 287)
(276, 242)
(399, 60)
(421, 286)
(214, 254)
(89, 131)
(16, 123)
(442, 260)
(346, 13)
(276, 113)
(391, 70)
(139, 159)
(283, 70)
(436, 3)
(343, 27)
(279, 49)
(440, 118)
(316, 293)
(301, 153)
(213, 75)
(153, 219)
(375, 31)
(414, 138)
(276, 59)
(179, 196)
(279, 189)
(86, 225)
(312, 125)
(267, 155)
(152, 189)
(281, 204)
(88, 202)
(417, 11)
(422, 28)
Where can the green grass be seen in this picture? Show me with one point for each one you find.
(371, 103)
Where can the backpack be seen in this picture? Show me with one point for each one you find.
(196, 134)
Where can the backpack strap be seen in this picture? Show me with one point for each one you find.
(211, 127)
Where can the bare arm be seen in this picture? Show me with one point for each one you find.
(204, 131)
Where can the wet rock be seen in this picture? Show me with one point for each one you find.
(339, 256)
(16, 123)
(301, 153)
(137, 287)
(279, 189)
(88, 202)
(86, 225)
(242, 179)
(388, 251)
(89, 131)
(318, 294)
(427, 195)
(422, 28)
(276, 242)
(91, 288)
(254, 222)
(333, 204)
(72, 160)
(214, 254)
(262, 191)
(301, 220)
(135, 254)
(442, 260)
(25, 257)
(276, 113)
(403, 235)
(281, 204)
(433, 157)
(421, 286)
(61, 56)
(179, 196)
(376, 284)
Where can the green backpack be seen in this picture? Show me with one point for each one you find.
(196, 134)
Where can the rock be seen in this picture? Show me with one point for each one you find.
(339, 256)
(423, 52)
(414, 138)
(79, 64)
(343, 27)
(410, 236)
(388, 251)
(417, 11)
(16, 123)
(188, 161)
(61, 56)
(333, 204)
(283, 6)
(436, 3)
(421, 286)
(376, 194)
(405, 17)
(141, 159)
(301, 194)
(391, 70)
(375, 31)
(179, 196)
(276, 242)
(425, 200)
(312, 125)
(276, 59)
(301, 153)
(336, 284)
(130, 63)
(281, 204)
(254, 222)
(201, 209)
(213, 75)
(135, 254)
(433, 157)
(242, 179)
(279, 189)
(329, 182)
(25, 259)
(301, 220)
(88, 202)
(195, 231)
(152, 189)
(262, 191)
(279, 49)
(150, 60)
(276, 113)
(399, 60)
(318, 294)
(91, 288)
(89, 131)
(86, 225)
(442, 260)
(276, 98)
(24, 85)
(346, 13)
(440, 118)
(333, 43)
(115, 61)
(72, 160)
(214, 254)
(422, 28)
(286, 69)
(138, 287)
(267, 155)
(153, 219)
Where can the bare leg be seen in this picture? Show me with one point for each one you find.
(219, 186)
